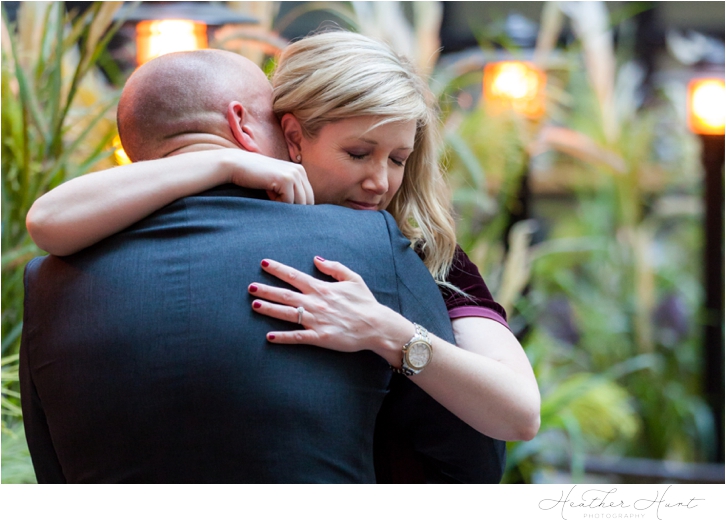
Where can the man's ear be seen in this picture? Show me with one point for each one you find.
(292, 131)
(239, 123)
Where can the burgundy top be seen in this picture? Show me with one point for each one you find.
(478, 301)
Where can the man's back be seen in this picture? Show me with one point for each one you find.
(142, 360)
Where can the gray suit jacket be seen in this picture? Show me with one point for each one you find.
(142, 361)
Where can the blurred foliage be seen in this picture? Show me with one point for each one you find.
(58, 120)
(17, 467)
(607, 302)
(602, 291)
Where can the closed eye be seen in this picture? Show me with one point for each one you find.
(397, 162)
(357, 156)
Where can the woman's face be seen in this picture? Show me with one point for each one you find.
(351, 164)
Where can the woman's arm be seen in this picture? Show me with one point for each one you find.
(89, 208)
(488, 382)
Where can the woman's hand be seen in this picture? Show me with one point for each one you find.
(284, 181)
(488, 382)
(342, 315)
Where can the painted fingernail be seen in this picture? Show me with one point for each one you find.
(253, 288)
(270, 336)
(320, 258)
(265, 263)
(257, 305)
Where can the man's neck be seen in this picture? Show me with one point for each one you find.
(196, 143)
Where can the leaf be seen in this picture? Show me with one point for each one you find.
(27, 96)
(590, 22)
(231, 38)
(99, 25)
(56, 69)
(578, 145)
(460, 147)
(343, 12)
(549, 32)
(517, 265)
(12, 257)
(427, 17)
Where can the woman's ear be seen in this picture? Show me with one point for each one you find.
(292, 131)
(239, 123)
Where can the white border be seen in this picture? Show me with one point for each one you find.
(368, 502)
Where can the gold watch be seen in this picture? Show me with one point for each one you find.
(417, 353)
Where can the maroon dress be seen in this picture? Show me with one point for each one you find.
(478, 301)
(464, 455)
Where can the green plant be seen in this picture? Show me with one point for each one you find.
(57, 123)
(617, 294)
(615, 261)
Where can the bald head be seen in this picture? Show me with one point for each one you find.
(182, 98)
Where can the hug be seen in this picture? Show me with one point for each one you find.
(271, 292)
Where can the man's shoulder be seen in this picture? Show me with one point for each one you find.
(231, 206)
(231, 196)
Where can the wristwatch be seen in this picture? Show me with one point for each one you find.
(417, 353)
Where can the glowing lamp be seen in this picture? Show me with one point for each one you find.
(119, 154)
(515, 85)
(157, 37)
(706, 106)
(164, 27)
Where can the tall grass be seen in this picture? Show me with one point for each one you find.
(57, 123)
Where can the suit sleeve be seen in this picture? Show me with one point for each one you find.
(45, 460)
(417, 439)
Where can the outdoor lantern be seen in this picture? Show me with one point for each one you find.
(119, 153)
(515, 85)
(706, 106)
(157, 37)
(164, 27)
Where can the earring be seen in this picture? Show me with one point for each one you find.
(298, 158)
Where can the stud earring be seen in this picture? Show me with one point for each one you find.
(298, 158)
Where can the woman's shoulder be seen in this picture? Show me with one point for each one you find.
(477, 300)
(465, 273)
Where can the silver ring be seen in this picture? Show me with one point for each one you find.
(300, 311)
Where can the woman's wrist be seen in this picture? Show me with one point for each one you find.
(396, 331)
(226, 165)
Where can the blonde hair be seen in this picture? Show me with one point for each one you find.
(337, 75)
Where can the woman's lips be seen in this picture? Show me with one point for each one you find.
(362, 205)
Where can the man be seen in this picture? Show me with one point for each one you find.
(142, 360)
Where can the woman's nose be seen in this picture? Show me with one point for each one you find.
(376, 180)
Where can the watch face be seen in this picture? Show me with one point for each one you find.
(419, 355)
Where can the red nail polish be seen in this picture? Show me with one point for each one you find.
(253, 288)
(265, 263)
(320, 258)
(271, 336)
(257, 305)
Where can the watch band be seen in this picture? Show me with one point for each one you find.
(421, 338)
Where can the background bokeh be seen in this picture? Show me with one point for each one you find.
(588, 220)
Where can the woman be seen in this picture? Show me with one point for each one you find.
(362, 124)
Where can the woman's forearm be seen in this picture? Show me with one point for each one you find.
(486, 381)
(485, 393)
(89, 208)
